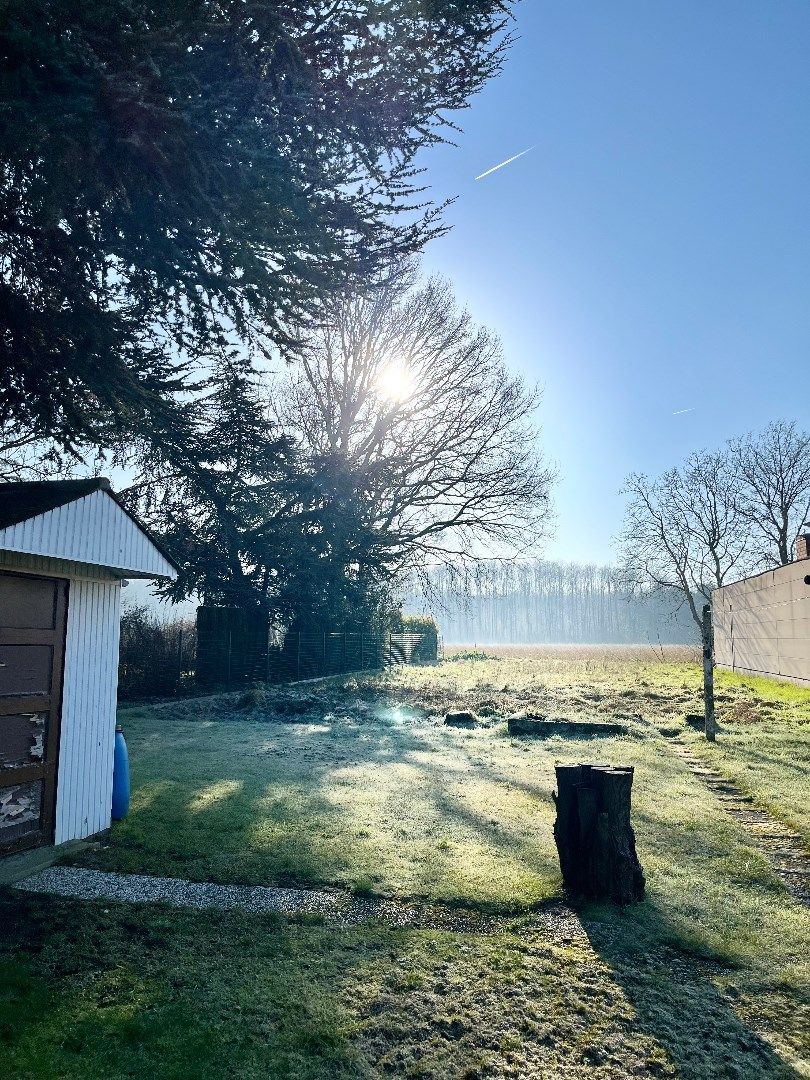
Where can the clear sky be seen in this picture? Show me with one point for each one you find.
(652, 252)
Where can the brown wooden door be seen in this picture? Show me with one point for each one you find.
(32, 646)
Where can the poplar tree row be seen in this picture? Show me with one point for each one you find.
(538, 601)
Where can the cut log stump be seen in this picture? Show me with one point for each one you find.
(594, 837)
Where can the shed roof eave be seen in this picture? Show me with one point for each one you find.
(120, 571)
(93, 529)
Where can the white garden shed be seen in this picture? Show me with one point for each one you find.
(65, 548)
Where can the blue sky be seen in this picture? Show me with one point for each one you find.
(652, 252)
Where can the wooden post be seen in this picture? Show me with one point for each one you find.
(298, 658)
(708, 672)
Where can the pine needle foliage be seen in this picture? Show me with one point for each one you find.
(185, 179)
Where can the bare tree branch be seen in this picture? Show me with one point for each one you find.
(773, 467)
(415, 400)
(685, 531)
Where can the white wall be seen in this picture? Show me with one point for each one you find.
(762, 624)
(84, 781)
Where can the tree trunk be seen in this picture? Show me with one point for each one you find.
(708, 672)
(594, 837)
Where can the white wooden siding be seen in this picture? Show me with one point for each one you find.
(84, 779)
(94, 530)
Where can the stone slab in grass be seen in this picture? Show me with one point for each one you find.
(543, 727)
(461, 718)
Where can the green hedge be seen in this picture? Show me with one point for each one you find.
(428, 651)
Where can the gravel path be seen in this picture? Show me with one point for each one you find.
(334, 907)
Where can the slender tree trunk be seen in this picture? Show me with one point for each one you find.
(708, 672)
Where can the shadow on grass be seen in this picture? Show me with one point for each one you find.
(283, 804)
(89, 991)
(680, 999)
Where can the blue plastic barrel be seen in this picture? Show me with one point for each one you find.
(120, 790)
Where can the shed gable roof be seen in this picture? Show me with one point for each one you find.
(27, 499)
(79, 520)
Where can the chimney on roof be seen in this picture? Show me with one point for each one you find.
(803, 542)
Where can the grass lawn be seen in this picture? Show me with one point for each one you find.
(357, 784)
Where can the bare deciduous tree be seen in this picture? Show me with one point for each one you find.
(773, 468)
(416, 402)
(533, 601)
(686, 531)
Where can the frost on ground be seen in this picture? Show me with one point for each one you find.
(357, 788)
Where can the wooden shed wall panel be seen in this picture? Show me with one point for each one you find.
(90, 530)
(84, 783)
(47, 567)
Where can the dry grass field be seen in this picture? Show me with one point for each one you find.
(358, 785)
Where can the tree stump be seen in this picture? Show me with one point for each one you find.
(594, 837)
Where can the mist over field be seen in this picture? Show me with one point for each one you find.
(547, 603)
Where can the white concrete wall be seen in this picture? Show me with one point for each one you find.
(84, 779)
(762, 623)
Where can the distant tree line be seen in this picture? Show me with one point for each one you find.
(718, 516)
(538, 601)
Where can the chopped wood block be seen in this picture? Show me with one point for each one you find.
(461, 719)
(594, 837)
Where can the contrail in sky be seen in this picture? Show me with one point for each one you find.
(508, 161)
(680, 412)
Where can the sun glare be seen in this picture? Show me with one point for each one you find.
(395, 382)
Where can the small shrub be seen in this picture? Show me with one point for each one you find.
(427, 651)
(474, 654)
(253, 698)
(363, 887)
(157, 655)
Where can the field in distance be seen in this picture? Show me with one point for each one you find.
(674, 654)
